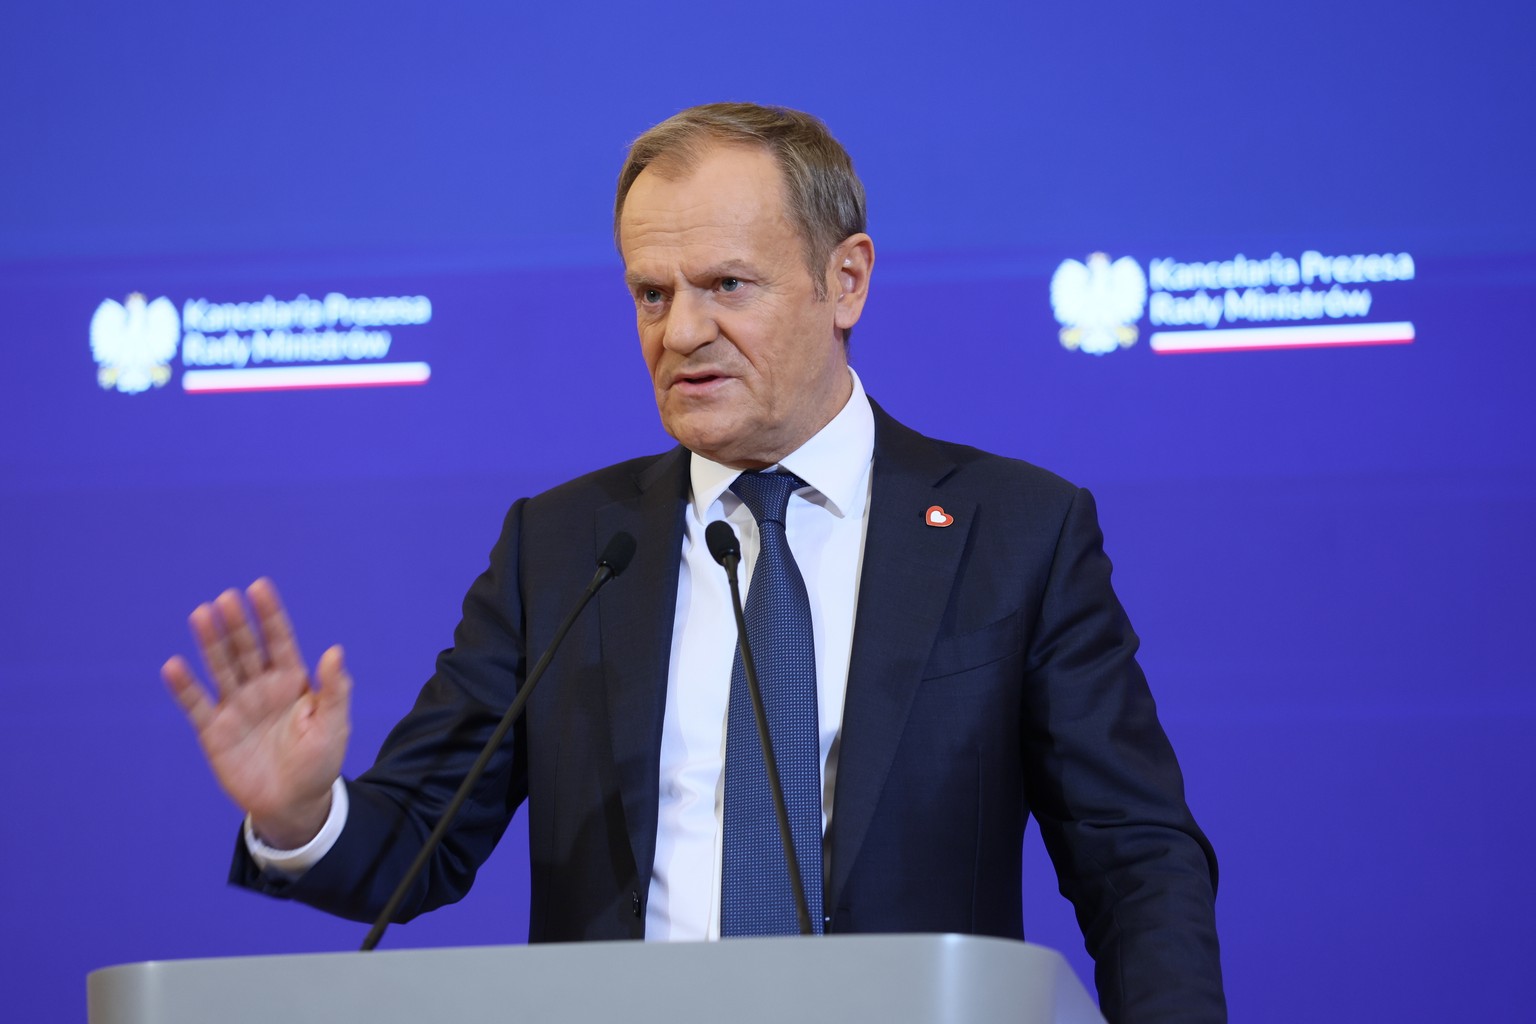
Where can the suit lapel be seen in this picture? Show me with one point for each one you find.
(636, 616)
(909, 571)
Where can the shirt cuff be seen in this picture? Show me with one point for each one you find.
(290, 864)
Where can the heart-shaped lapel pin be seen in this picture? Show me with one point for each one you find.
(936, 516)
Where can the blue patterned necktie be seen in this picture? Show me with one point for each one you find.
(755, 894)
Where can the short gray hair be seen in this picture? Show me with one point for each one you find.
(823, 195)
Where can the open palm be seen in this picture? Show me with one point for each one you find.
(275, 743)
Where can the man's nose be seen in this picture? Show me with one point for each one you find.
(690, 323)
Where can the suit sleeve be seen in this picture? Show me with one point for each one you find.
(1109, 797)
(395, 804)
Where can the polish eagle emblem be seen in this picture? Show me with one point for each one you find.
(1098, 303)
(134, 342)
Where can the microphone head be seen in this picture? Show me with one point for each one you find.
(721, 540)
(616, 556)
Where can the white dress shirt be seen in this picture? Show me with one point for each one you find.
(826, 523)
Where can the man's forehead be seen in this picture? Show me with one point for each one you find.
(730, 205)
(741, 176)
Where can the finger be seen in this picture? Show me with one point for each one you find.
(243, 645)
(188, 692)
(214, 643)
(276, 629)
(335, 681)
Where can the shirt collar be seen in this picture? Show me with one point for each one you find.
(834, 463)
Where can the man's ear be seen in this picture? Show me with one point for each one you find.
(852, 262)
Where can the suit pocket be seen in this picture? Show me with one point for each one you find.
(965, 651)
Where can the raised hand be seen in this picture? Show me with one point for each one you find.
(274, 742)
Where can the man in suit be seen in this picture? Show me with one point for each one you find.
(969, 662)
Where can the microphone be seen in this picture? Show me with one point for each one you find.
(726, 550)
(723, 545)
(613, 561)
(615, 558)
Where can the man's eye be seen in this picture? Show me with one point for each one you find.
(651, 296)
(729, 284)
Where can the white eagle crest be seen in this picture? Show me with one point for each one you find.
(1098, 303)
(134, 343)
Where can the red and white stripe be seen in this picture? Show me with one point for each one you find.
(1248, 339)
(303, 378)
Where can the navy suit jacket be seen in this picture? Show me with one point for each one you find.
(993, 676)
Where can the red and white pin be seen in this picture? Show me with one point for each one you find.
(936, 516)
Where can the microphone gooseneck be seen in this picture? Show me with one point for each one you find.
(615, 559)
(726, 550)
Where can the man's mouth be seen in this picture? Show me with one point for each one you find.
(696, 381)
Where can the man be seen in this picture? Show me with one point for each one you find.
(968, 662)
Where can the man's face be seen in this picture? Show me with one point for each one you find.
(746, 361)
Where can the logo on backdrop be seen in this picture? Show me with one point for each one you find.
(338, 341)
(1098, 303)
(1240, 304)
(134, 342)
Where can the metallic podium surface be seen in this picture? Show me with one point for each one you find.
(893, 979)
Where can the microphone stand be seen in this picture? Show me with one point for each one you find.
(614, 560)
(723, 545)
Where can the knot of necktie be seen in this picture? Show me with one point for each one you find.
(766, 495)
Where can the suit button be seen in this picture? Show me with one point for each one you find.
(634, 903)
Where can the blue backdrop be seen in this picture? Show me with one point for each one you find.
(1325, 541)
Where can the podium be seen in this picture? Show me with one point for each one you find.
(847, 979)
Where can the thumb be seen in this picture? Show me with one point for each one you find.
(335, 681)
